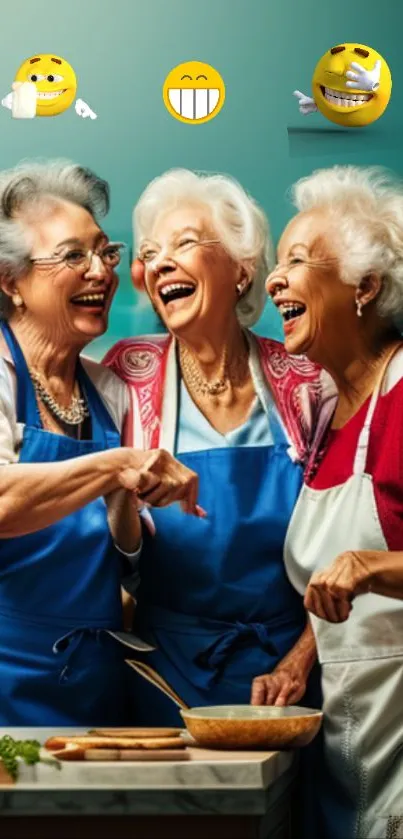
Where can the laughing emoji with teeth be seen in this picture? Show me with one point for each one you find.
(193, 92)
(45, 85)
(351, 86)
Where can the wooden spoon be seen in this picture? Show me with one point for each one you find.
(155, 679)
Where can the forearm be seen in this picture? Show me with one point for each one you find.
(384, 573)
(302, 656)
(124, 520)
(36, 495)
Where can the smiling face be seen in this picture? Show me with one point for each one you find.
(70, 303)
(189, 277)
(193, 92)
(55, 82)
(307, 288)
(344, 105)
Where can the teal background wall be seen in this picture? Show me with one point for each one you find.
(122, 50)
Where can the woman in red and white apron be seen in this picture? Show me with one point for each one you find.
(341, 264)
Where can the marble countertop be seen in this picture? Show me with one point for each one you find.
(210, 782)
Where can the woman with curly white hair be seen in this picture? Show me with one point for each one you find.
(239, 411)
(341, 268)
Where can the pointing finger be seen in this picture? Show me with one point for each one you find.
(358, 67)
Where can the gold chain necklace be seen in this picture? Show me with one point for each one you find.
(74, 414)
(199, 384)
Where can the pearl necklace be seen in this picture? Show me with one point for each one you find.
(76, 412)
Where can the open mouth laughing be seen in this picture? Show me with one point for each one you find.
(290, 311)
(170, 292)
(96, 301)
(343, 99)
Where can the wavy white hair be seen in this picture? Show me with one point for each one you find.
(37, 186)
(366, 205)
(239, 223)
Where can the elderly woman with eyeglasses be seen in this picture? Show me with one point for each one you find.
(63, 469)
(235, 408)
(341, 265)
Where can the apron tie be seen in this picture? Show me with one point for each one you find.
(71, 641)
(216, 655)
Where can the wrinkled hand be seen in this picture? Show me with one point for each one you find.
(362, 79)
(330, 592)
(282, 687)
(160, 480)
(306, 103)
(84, 110)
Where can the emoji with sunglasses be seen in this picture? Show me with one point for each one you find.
(351, 86)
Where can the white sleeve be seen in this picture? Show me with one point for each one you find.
(112, 390)
(10, 430)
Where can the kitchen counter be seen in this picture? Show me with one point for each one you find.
(215, 794)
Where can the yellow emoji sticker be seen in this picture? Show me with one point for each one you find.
(352, 85)
(55, 82)
(193, 92)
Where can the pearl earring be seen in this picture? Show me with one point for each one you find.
(359, 308)
(17, 300)
(242, 287)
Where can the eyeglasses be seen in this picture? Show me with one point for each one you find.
(148, 255)
(81, 260)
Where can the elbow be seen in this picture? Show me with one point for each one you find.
(10, 519)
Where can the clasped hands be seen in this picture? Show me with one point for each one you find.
(157, 479)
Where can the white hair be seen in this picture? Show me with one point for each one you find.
(239, 223)
(366, 205)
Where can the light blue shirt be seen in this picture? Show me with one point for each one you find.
(194, 432)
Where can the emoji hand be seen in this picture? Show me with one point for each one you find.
(24, 100)
(306, 103)
(7, 102)
(84, 110)
(362, 79)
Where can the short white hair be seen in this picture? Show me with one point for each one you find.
(36, 185)
(240, 224)
(367, 207)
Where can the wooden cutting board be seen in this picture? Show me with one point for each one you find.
(137, 732)
(135, 754)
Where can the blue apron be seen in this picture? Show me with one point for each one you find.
(60, 591)
(214, 596)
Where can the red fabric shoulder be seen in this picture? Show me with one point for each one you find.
(297, 386)
(141, 363)
(136, 359)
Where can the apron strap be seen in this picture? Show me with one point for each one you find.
(267, 399)
(360, 460)
(27, 407)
